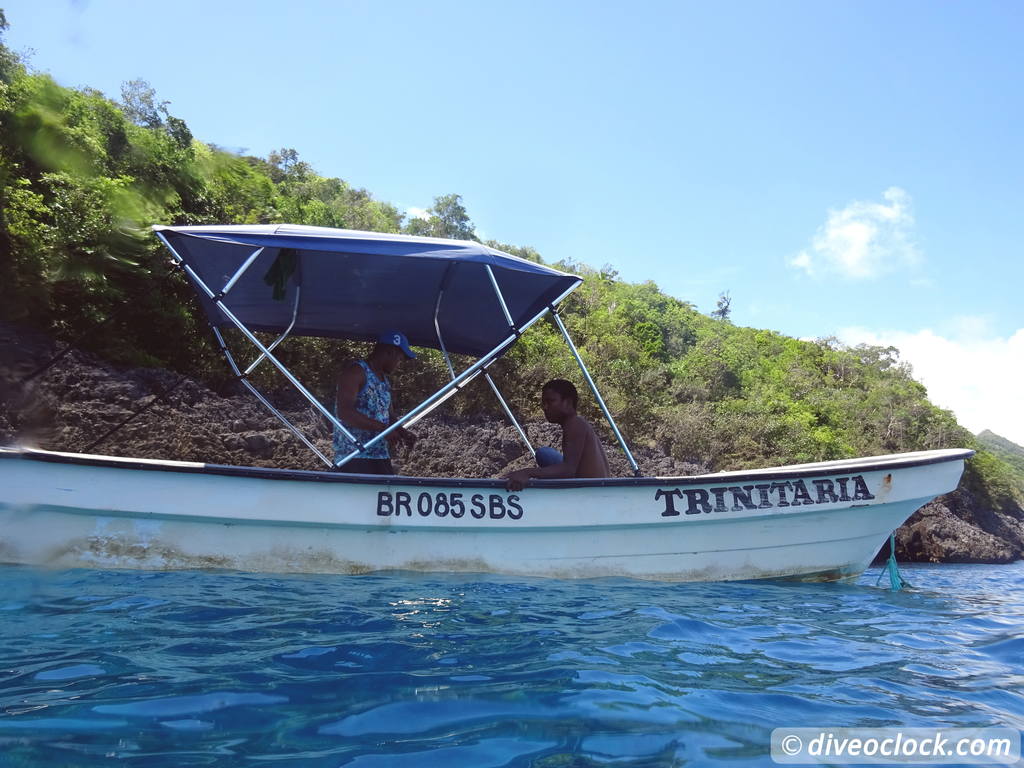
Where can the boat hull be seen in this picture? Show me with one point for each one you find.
(817, 521)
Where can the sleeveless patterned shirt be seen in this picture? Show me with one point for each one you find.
(373, 400)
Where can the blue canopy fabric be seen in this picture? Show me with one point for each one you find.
(356, 285)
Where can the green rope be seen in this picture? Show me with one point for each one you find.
(896, 580)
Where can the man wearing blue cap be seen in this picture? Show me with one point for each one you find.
(364, 406)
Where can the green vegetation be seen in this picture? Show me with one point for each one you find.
(1007, 450)
(1006, 476)
(82, 178)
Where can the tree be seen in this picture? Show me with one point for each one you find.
(286, 166)
(447, 218)
(138, 99)
(178, 130)
(522, 251)
(724, 307)
(9, 60)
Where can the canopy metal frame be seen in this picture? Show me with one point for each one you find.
(458, 380)
(593, 388)
(487, 376)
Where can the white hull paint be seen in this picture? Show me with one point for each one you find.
(813, 521)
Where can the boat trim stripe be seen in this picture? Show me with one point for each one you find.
(884, 463)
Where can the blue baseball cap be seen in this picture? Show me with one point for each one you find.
(397, 339)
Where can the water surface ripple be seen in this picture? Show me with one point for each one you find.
(193, 669)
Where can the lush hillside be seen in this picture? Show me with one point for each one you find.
(83, 176)
(1006, 450)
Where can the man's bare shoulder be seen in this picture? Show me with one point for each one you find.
(577, 426)
(351, 367)
(352, 372)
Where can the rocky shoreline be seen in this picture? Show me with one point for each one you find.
(73, 405)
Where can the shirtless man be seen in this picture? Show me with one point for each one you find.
(582, 451)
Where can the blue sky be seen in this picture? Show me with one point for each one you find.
(841, 168)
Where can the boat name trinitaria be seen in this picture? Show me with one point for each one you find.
(760, 496)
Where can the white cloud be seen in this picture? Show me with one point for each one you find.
(975, 373)
(803, 261)
(417, 213)
(863, 240)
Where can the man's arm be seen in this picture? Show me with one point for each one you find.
(400, 435)
(350, 382)
(574, 439)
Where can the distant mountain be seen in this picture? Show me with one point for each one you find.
(1007, 450)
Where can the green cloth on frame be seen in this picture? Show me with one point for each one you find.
(279, 272)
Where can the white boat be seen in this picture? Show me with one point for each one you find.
(814, 521)
(818, 521)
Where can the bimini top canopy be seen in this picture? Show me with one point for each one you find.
(356, 285)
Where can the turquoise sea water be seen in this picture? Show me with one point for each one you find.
(195, 669)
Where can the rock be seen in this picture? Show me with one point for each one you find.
(233, 443)
(935, 535)
(259, 445)
(956, 529)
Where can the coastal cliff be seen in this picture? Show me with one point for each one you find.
(78, 400)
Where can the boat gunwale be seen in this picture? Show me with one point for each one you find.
(837, 466)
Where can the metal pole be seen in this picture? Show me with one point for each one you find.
(463, 378)
(286, 373)
(188, 270)
(497, 292)
(256, 343)
(434, 400)
(227, 352)
(437, 324)
(508, 412)
(597, 395)
(241, 271)
(494, 387)
(283, 336)
(266, 403)
(284, 420)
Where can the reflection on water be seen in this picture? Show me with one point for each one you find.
(184, 669)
